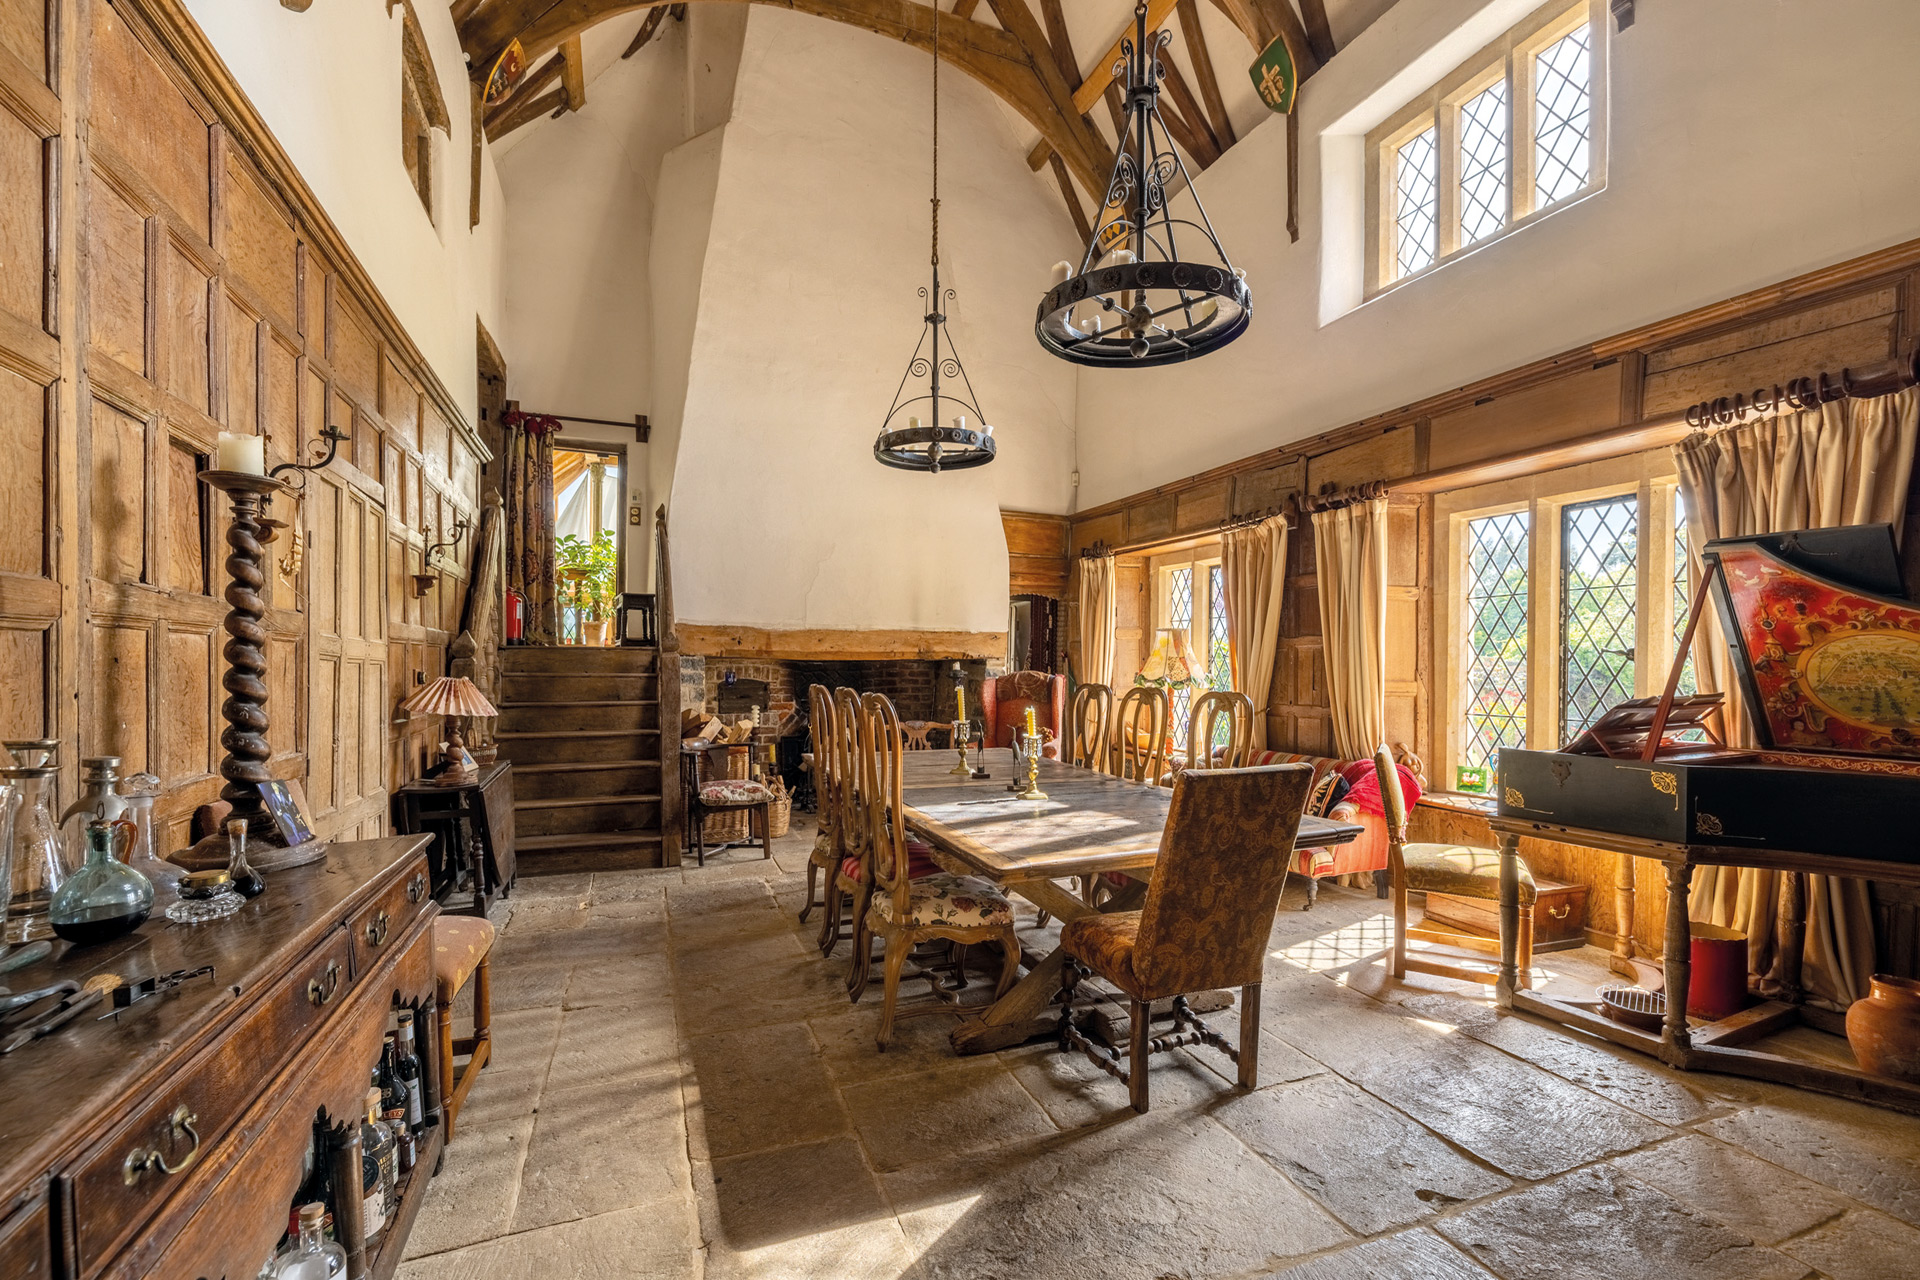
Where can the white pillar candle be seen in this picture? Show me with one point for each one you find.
(959, 422)
(989, 428)
(240, 452)
(1062, 271)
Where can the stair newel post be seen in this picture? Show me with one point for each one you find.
(667, 682)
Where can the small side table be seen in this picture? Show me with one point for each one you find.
(474, 823)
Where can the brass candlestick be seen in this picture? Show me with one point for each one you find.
(1033, 791)
(961, 770)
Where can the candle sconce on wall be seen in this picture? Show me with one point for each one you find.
(424, 580)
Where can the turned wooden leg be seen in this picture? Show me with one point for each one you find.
(482, 1012)
(1069, 984)
(1676, 1040)
(1523, 950)
(898, 945)
(813, 876)
(443, 1017)
(830, 914)
(1623, 896)
(1250, 1036)
(1010, 969)
(1790, 932)
(1509, 918)
(1139, 1035)
(1397, 867)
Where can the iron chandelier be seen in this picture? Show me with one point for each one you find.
(1134, 302)
(967, 441)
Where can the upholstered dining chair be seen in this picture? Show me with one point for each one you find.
(1090, 726)
(1461, 870)
(904, 908)
(1209, 710)
(1003, 707)
(848, 877)
(1139, 750)
(1205, 924)
(826, 853)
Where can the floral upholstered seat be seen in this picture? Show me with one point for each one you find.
(734, 791)
(1461, 870)
(822, 855)
(954, 901)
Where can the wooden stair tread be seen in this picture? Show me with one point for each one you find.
(520, 734)
(511, 704)
(568, 802)
(585, 766)
(597, 839)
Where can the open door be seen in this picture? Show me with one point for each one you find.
(588, 552)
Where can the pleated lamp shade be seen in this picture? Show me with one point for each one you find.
(450, 696)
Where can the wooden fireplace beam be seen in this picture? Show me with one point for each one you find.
(822, 644)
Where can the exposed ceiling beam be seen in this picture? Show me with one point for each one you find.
(529, 111)
(965, 8)
(530, 87)
(1017, 19)
(654, 18)
(573, 77)
(1095, 86)
(1072, 198)
(1261, 20)
(1319, 30)
(1203, 72)
(1183, 113)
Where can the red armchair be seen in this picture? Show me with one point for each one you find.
(1004, 703)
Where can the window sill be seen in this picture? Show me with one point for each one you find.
(1461, 254)
(1460, 802)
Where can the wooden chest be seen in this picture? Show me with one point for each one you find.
(1559, 914)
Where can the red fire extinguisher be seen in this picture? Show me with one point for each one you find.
(516, 618)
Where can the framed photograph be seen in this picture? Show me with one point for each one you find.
(287, 818)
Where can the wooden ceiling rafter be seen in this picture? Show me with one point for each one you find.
(529, 100)
(1204, 73)
(655, 17)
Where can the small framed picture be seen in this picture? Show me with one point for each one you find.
(1474, 780)
(287, 818)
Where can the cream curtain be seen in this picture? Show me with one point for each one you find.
(1350, 555)
(1098, 606)
(1847, 462)
(1253, 561)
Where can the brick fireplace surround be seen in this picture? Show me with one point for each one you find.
(921, 688)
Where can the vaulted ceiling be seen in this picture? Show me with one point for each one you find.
(1035, 62)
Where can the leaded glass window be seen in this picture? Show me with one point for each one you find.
(1496, 617)
(1219, 652)
(1599, 547)
(1416, 178)
(1180, 617)
(1682, 591)
(1483, 163)
(1563, 117)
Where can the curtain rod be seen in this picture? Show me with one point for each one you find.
(1226, 525)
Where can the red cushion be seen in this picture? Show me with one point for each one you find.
(919, 864)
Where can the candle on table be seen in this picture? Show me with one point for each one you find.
(242, 452)
(960, 702)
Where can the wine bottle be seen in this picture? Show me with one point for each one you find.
(393, 1094)
(376, 1167)
(411, 1078)
(317, 1186)
(403, 1145)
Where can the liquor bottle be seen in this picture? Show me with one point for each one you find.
(393, 1094)
(312, 1256)
(407, 1067)
(316, 1187)
(376, 1167)
(403, 1144)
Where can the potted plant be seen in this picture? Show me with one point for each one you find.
(587, 569)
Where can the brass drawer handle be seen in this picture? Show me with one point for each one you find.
(1562, 913)
(141, 1160)
(377, 929)
(319, 991)
(417, 887)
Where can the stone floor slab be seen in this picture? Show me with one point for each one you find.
(503, 1095)
(1864, 1152)
(658, 1241)
(756, 1088)
(478, 1189)
(602, 1148)
(1411, 1255)
(1367, 1164)
(1598, 1224)
(1075, 1092)
(809, 1210)
(1518, 1118)
(607, 1044)
(943, 1113)
(1749, 1195)
(1134, 1199)
(1864, 1245)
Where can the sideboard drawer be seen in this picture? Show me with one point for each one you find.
(380, 925)
(118, 1185)
(26, 1245)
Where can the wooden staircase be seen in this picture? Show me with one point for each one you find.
(582, 728)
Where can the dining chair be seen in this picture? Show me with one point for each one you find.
(1139, 749)
(826, 853)
(1461, 870)
(1090, 726)
(906, 909)
(848, 876)
(1205, 923)
(1209, 710)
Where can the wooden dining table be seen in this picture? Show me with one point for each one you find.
(1089, 824)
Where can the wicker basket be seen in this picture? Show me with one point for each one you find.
(731, 824)
(780, 812)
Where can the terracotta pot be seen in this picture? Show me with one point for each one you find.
(1884, 1029)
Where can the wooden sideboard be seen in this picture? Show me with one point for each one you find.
(221, 1078)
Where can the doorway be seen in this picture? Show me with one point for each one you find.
(589, 483)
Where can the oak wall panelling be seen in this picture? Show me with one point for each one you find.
(165, 274)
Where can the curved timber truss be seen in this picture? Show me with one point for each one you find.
(1030, 66)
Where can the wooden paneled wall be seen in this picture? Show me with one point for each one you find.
(166, 275)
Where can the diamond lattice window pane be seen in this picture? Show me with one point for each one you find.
(1599, 546)
(1180, 616)
(1416, 216)
(1483, 163)
(1563, 118)
(1219, 654)
(1496, 638)
(1682, 591)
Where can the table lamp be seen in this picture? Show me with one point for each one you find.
(452, 697)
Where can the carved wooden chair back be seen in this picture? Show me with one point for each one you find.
(848, 749)
(1139, 750)
(886, 826)
(1090, 726)
(1209, 710)
(826, 772)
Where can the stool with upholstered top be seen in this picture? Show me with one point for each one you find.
(460, 948)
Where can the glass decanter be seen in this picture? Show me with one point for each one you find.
(312, 1256)
(9, 807)
(39, 865)
(105, 899)
(33, 753)
(140, 791)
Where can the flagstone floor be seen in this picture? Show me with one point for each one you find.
(680, 1088)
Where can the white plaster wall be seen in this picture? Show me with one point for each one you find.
(1729, 169)
(807, 316)
(327, 83)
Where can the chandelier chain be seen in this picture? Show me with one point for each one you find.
(936, 136)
